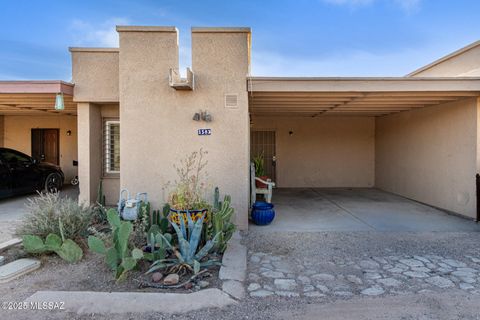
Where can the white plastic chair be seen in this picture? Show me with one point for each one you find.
(266, 192)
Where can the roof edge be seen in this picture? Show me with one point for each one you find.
(37, 86)
(444, 58)
(92, 49)
(254, 78)
(147, 29)
(221, 30)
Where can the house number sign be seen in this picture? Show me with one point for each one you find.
(204, 132)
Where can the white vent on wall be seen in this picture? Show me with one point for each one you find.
(231, 100)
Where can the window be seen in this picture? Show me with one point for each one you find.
(111, 147)
(14, 157)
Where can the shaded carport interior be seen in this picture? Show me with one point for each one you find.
(25, 105)
(275, 102)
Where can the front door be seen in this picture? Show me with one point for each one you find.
(45, 145)
(263, 142)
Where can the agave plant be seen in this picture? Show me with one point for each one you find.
(187, 255)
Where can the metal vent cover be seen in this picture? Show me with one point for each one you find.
(231, 100)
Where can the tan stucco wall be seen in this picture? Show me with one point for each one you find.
(90, 171)
(95, 74)
(18, 136)
(322, 151)
(465, 64)
(156, 120)
(430, 155)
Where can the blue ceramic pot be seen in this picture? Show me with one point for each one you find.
(262, 213)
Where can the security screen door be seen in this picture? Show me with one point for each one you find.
(264, 142)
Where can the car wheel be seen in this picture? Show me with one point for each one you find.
(53, 183)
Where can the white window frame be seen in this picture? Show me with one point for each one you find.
(106, 150)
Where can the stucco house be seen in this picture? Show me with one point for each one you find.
(416, 136)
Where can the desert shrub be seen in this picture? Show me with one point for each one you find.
(47, 211)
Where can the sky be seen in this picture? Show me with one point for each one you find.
(289, 38)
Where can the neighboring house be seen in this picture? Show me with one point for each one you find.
(416, 136)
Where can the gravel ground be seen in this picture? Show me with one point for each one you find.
(7, 230)
(322, 248)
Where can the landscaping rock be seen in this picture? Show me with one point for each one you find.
(373, 291)
(285, 284)
(253, 277)
(369, 264)
(203, 284)
(373, 275)
(323, 288)
(440, 282)
(234, 288)
(354, 279)
(288, 294)
(454, 263)
(304, 279)
(261, 293)
(412, 262)
(390, 282)
(416, 274)
(253, 287)
(308, 288)
(188, 285)
(323, 277)
(157, 276)
(171, 279)
(314, 294)
(17, 268)
(466, 286)
(234, 262)
(273, 274)
(10, 243)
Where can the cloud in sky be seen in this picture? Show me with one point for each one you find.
(407, 5)
(102, 35)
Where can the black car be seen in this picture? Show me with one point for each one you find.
(21, 174)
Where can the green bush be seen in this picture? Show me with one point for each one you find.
(46, 210)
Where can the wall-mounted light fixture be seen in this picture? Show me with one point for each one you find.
(290, 133)
(202, 115)
(69, 133)
(59, 103)
(207, 117)
(196, 116)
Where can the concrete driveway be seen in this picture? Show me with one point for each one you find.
(13, 209)
(357, 209)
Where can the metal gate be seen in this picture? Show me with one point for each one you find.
(264, 142)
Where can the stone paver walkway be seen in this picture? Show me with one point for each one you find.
(282, 276)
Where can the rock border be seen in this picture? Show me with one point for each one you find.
(232, 273)
(234, 268)
(88, 302)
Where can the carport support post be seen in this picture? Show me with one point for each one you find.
(89, 150)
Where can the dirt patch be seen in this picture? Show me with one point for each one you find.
(7, 230)
(90, 274)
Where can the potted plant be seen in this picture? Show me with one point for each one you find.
(188, 194)
(258, 162)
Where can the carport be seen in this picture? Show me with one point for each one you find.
(393, 139)
(30, 123)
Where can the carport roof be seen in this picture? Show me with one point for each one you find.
(35, 97)
(353, 96)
